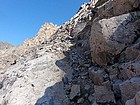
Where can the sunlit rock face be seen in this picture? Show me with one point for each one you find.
(114, 43)
(10, 54)
(43, 35)
(92, 59)
(4, 45)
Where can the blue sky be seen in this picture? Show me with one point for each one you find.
(21, 19)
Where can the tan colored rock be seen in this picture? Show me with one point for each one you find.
(45, 32)
(110, 36)
(129, 88)
(124, 6)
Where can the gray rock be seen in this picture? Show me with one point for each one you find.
(110, 36)
(75, 91)
(87, 87)
(129, 88)
(104, 94)
(4, 45)
(91, 98)
(80, 101)
(97, 74)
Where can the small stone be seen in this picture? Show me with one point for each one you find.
(86, 95)
(87, 87)
(84, 77)
(81, 100)
(94, 103)
(83, 74)
(75, 91)
(87, 65)
(97, 74)
(91, 98)
(104, 94)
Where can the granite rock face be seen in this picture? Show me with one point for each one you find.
(109, 37)
(10, 54)
(114, 43)
(92, 59)
(41, 70)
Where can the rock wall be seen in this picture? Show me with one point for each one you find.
(93, 59)
(114, 42)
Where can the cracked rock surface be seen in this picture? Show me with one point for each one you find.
(92, 59)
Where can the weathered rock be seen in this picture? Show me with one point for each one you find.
(43, 35)
(110, 8)
(40, 77)
(87, 87)
(129, 70)
(103, 9)
(133, 52)
(91, 98)
(113, 72)
(130, 102)
(4, 45)
(80, 101)
(137, 98)
(75, 91)
(97, 75)
(124, 6)
(95, 103)
(109, 37)
(129, 88)
(39, 67)
(104, 94)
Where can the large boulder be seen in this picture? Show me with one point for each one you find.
(109, 37)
